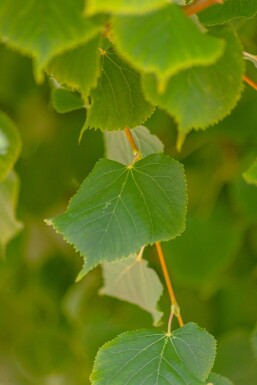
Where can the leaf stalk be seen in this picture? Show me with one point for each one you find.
(199, 6)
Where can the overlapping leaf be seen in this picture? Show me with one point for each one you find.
(117, 102)
(159, 46)
(9, 226)
(78, 68)
(231, 9)
(64, 100)
(10, 145)
(251, 174)
(155, 358)
(132, 280)
(117, 146)
(123, 6)
(43, 29)
(201, 96)
(216, 379)
(119, 209)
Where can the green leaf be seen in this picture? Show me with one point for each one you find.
(231, 9)
(119, 209)
(166, 42)
(251, 174)
(78, 68)
(132, 280)
(9, 226)
(47, 28)
(216, 379)
(201, 96)
(117, 146)
(156, 358)
(64, 100)
(10, 145)
(123, 6)
(117, 102)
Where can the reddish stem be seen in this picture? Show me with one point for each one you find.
(199, 6)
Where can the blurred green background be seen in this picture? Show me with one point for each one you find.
(50, 326)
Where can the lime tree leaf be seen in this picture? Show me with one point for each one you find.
(201, 96)
(117, 102)
(251, 174)
(231, 9)
(10, 145)
(118, 208)
(156, 358)
(117, 146)
(165, 42)
(123, 6)
(47, 28)
(132, 280)
(254, 342)
(64, 100)
(78, 68)
(9, 226)
(216, 379)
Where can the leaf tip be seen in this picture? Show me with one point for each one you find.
(49, 222)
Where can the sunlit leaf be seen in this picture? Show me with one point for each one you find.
(45, 29)
(123, 6)
(159, 46)
(202, 96)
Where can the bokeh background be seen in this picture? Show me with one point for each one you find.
(50, 326)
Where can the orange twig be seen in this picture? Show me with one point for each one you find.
(250, 82)
(175, 308)
(168, 284)
(199, 6)
(133, 144)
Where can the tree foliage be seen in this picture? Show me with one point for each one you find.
(137, 84)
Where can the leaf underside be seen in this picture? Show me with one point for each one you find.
(118, 148)
(132, 280)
